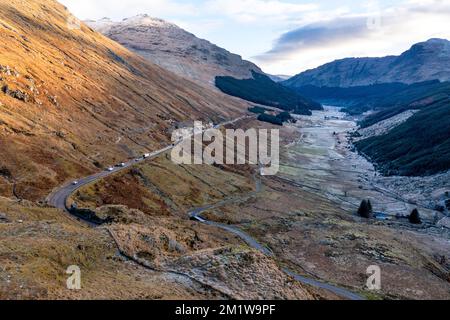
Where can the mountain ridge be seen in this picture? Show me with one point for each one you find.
(175, 49)
(73, 101)
(424, 61)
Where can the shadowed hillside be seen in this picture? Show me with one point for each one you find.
(261, 89)
(420, 146)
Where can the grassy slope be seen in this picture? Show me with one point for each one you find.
(38, 244)
(90, 99)
(261, 89)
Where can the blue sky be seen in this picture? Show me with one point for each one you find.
(290, 36)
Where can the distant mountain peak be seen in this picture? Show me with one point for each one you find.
(437, 40)
(175, 49)
(428, 60)
(147, 20)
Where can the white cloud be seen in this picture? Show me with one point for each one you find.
(264, 11)
(389, 31)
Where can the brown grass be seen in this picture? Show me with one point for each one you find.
(85, 92)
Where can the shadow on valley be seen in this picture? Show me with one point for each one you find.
(261, 89)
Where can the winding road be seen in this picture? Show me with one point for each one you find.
(58, 198)
(196, 215)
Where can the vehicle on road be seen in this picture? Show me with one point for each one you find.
(75, 183)
(110, 169)
(122, 165)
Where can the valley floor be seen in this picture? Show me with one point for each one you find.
(323, 159)
(305, 217)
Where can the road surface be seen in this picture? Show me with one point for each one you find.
(59, 197)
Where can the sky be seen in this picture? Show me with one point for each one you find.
(286, 37)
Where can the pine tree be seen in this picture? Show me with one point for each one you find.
(365, 209)
(414, 217)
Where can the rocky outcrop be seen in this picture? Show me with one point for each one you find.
(3, 218)
(175, 49)
(120, 214)
(425, 61)
(16, 94)
(385, 126)
(236, 272)
(242, 274)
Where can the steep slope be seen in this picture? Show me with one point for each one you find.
(389, 98)
(356, 100)
(175, 49)
(73, 101)
(261, 89)
(417, 139)
(425, 61)
(419, 146)
(414, 97)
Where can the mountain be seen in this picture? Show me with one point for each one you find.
(279, 77)
(175, 49)
(417, 141)
(425, 61)
(355, 100)
(417, 96)
(414, 83)
(73, 101)
(186, 55)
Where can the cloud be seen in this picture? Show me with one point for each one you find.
(376, 33)
(264, 11)
(317, 35)
(293, 36)
(118, 9)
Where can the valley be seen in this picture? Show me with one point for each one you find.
(305, 218)
(323, 160)
(92, 112)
